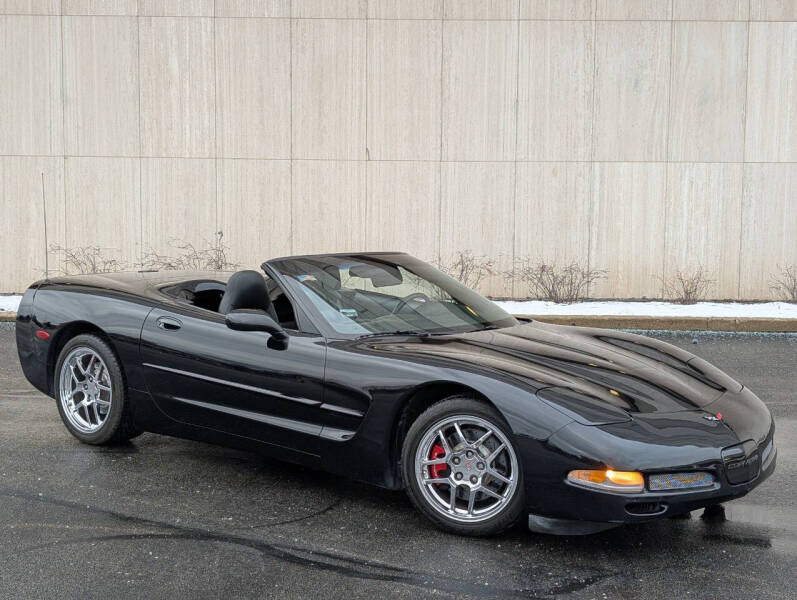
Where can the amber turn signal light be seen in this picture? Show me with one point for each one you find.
(628, 482)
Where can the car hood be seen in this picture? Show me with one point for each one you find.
(596, 376)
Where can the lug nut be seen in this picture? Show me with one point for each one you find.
(455, 460)
(480, 466)
(473, 479)
(469, 454)
(458, 476)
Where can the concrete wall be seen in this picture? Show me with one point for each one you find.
(639, 136)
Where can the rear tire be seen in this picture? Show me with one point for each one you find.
(91, 393)
(478, 488)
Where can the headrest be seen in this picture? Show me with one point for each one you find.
(245, 289)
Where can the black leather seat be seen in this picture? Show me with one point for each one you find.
(246, 289)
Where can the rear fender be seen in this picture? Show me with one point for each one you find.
(66, 311)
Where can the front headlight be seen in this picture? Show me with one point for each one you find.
(626, 482)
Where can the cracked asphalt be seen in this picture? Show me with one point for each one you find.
(162, 517)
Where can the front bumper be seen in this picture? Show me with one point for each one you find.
(580, 510)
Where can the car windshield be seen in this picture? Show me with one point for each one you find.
(388, 293)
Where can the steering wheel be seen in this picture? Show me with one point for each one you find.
(416, 296)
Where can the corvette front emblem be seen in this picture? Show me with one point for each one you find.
(710, 418)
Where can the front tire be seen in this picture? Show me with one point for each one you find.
(91, 394)
(461, 470)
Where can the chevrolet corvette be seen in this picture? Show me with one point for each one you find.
(382, 369)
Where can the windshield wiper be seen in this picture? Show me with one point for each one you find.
(417, 332)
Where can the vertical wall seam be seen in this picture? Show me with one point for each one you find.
(668, 134)
(517, 124)
(63, 132)
(140, 143)
(744, 154)
(367, 153)
(140, 149)
(440, 161)
(365, 91)
(591, 183)
(290, 101)
(215, 122)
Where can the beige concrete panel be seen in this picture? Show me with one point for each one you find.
(769, 226)
(477, 216)
(405, 9)
(400, 193)
(177, 87)
(328, 206)
(253, 8)
(479, 90)
(31, 117)
(330, 9)
(653, 10)
(773, 10)
(255, 209)
(627, 234)
(22, 243)
(704, 223)
(404, 89)
(101, 79)
(709, 69)
(772, 93)
(329, 89)
(176, 8)
(552, 214)
(711, 10)
(103, 206)
(631, 89)
(555, 90)
(30, 7)
(178, 203)
(253, 82)
(100, 7)
(480, 9)
(578, 10)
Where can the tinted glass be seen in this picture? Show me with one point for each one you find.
(388, 293)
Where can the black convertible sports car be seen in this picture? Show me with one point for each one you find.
(381, 368)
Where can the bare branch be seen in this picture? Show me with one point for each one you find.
(87, 259)
(686, 287)
(563, 284)
(784, 283)
(468, 268)
(213, 257)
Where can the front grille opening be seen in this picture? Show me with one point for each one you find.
(680, 481)
(644, 509)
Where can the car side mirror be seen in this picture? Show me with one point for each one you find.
(245, 319)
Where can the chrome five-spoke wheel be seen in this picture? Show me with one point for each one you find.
(466, 468)
(85, 389)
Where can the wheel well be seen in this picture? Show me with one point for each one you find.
(62, 338)
(421, 399)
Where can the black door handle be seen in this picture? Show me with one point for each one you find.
(169, 324)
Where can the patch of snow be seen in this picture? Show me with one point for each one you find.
(9, 303)
(766, 310)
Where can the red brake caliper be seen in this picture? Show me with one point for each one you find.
(437, 452)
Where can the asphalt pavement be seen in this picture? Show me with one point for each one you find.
(167, 518)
